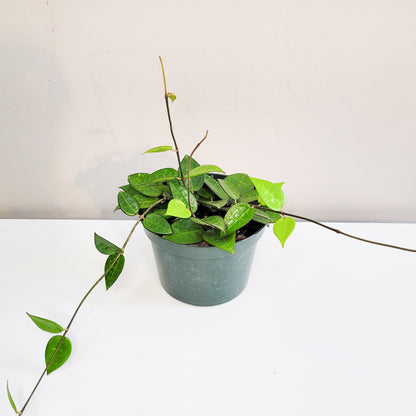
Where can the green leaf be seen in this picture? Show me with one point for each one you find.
(265, 217)
(127, 203)
(198, 181)
(46, 324)
(158, 149)
(248, 196)
(162, 175)
(143, 201)
(157, 224)
(218, 204)
(172, 96)
(185, 232)
(200, 170)
(283, 228)
(238, 216)
(241, 181)
(270, 193)
(104, 246)
(214, 238)
(177, 208)
(11, 399)
(62, 353)
(215, 187)
(137, 179)
(230, 189)
(180, 192)
(113, 267)
(205, 192)
(214, 221)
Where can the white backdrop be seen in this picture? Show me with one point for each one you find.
(319, 94)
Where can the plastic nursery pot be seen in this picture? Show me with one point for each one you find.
(204, 276)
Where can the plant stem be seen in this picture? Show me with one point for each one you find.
(170, 123)
(139, 220)
(336, 230)
(189, 170)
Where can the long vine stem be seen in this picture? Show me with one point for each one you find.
(336, 230)
(139, 220)
(170, 123)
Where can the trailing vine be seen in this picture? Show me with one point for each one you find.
(188, 205)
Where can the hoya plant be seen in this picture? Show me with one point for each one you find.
(189, 204)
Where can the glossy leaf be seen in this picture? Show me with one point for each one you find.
(137, 179)
(214, 238)
(241, 181)
(283, 228)
(157, 224)
(127, 203)
(214, 221)
(104, 246)
(162, 175)
(265, 217)
(113, 267)
(172, 96)
(270, 193)
(185, 232)
(238, 216)
(158, 149)
(143, 200)
(248, 196)
(198, 181)
(177, 208)
(218, 204)
(180, 192)
(229, 189)
(62, 354)
(215, 187)
(200, 170)
(46, 324)
(11, 401)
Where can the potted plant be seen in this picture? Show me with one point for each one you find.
(203, 225)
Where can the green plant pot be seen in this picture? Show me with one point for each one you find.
(203, 276)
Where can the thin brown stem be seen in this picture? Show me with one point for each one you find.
(170, 123)
(139, 220)
(337, 231)
(189, 170)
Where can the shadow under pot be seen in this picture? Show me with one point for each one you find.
(204, 276)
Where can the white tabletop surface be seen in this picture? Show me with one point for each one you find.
(326, 326)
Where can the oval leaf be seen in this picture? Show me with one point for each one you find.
(46, 324)
(241, 181)
(158, 149)
(113, 268)
(214, 221)
(157, 224)
(127, 203)
(162, 175)
(200, 170)
(283, 228)
(62, 353)
(265, 217)
(177, 208)
(198, 181)
(11, 399)
(238, 216)
(269, 193)
(218, 204)
(137, 179)
(104, 246)
(214, 238)
(230, 189)
(180, 192)
(215, 187)
(185, 232)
